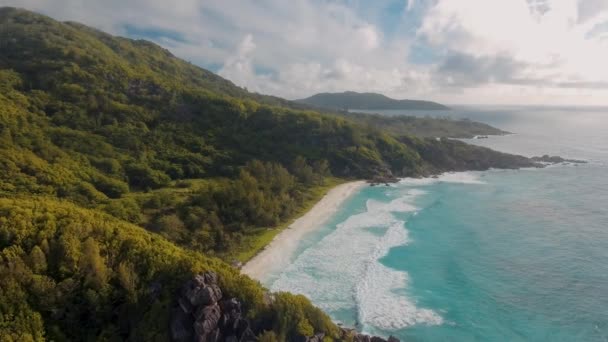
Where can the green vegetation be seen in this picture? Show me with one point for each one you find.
(447, 155)
(68, 273)
(339, 105)
(352, 100)
(255, 243)
(424, 127)
(101, 137)
(94, 119)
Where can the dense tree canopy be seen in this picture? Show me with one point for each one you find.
(78, 274)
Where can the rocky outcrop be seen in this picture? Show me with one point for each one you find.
(201, 314)
(385, 178)
(556, 160)
(367, 338)
(351, 334)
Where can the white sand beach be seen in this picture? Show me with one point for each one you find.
(278, 252)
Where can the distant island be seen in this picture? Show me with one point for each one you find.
(367, 101)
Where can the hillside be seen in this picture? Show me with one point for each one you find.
(424, 127)
(351, 100)
(102, 136)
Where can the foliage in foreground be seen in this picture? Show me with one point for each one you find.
(77, 274)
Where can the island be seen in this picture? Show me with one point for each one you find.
(351, 100)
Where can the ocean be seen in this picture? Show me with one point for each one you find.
(501, 255)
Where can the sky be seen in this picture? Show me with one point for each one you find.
(541, 52)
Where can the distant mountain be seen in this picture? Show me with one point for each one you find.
(367, 101)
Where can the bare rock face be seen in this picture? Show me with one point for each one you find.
(316, 338)
(357, 337)
(366, 338)
(201, 315)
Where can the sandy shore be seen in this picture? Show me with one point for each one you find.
(278, 252)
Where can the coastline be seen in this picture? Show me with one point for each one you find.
(278, 252)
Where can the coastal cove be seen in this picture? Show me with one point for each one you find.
(416, 260)
(491, 255)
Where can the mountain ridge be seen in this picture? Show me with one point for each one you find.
(350, 100)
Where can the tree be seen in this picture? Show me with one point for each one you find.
(92, 265)
(37, 260)
(302, 170)
(128, 279)
(321, 170)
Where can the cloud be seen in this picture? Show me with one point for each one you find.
(239, 67)
(550, 44)
(410, 4)
(463, 70)
(534, 50)
(588, 9)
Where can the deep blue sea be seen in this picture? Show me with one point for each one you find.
(475, 256)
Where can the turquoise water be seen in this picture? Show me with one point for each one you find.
(477, 256)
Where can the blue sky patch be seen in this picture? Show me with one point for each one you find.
(153, 33)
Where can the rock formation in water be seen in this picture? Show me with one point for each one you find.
(556, 160)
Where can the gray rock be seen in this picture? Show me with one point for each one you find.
(316, 338)
(207, 318)
(198, 294)
(209, 294)
(210, 277)
(202, 316)
(361, 338)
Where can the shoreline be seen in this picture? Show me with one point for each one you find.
(278, 252)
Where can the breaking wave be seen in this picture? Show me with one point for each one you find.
(343, 272)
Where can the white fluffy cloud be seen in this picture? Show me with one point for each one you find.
(553, 39)
(540, 47)
(468, 51)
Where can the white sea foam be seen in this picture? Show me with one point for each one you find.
(448, 177)
(416, 192)
(461, 177)
(379, 303)
(343, 271)
(400, 205)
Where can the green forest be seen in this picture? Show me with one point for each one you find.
(424, 127)
(373, 101)
(122, 166)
